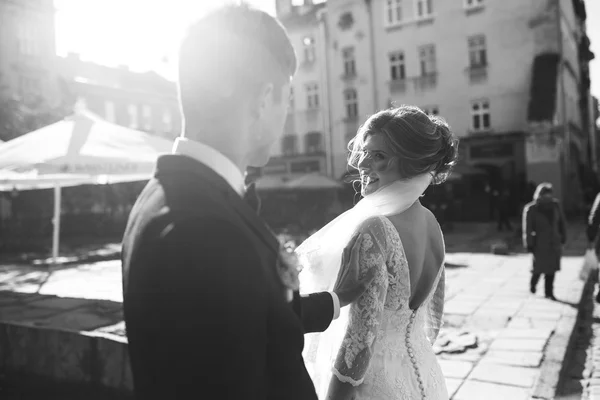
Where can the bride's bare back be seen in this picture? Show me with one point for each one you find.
(424, 247)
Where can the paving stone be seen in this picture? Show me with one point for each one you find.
(460, 308)
(520, 359)
(452, 385)
(455, 369)
(524, 333)
(540, 315)
(488, 321)
(471, 390)
(503, 303)
(532, 323)
(519, 344)
(506, 375)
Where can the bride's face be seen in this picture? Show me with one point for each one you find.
(377, 165)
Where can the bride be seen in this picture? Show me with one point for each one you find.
(381, 345)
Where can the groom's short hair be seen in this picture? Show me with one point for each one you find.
(227, 55)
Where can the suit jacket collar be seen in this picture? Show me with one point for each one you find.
(213, 159)
(178, 164)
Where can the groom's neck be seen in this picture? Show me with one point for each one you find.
(224, 143)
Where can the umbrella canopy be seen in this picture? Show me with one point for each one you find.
(83, 144)
(10, 180)
(81, 149)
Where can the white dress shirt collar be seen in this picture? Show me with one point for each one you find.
(212, 159)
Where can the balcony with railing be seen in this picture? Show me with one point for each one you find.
(416, 84)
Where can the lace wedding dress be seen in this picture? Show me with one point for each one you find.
(386, 348)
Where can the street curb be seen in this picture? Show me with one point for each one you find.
(559, 347)
(96, 360)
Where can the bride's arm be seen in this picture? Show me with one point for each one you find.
(365, 314)
(317, 310)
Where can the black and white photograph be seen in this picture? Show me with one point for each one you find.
(299, 199)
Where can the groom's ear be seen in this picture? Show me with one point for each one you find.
(265, 99)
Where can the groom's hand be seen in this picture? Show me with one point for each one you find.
(349, 284)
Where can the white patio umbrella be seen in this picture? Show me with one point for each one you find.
(81, 149)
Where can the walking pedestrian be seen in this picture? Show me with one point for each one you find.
(544, 234)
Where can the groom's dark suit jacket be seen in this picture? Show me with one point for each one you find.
(205, 310)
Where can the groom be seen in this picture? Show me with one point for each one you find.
(211, 308)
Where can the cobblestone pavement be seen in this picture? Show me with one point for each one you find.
(491, 346)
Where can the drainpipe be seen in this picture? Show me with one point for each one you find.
(325, 74)
(566, 130)
(369, 4)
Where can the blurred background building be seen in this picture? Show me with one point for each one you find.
(28, 49)
(511, 77)
(143, 101)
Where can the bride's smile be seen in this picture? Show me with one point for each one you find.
(376, 165)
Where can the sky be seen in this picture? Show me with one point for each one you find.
(140, 33)
(137, 33)
(593, 29)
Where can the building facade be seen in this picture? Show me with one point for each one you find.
(510, 76)
(27, 51)
(306, 140)
(142, 101)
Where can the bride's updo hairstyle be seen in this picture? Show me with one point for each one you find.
(420, 143)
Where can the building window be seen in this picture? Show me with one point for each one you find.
(349, 61)
(132, 110)
(433, 110)
(397, 66)
(312, 95)
(289, 145)
(427, 60)
(351, 102)
(109, 111)
(473, 3)
(480, 115)
(167, 121)
(147, 117)
(313, 142)
(310, 53)
(393, 12)
(424, 8)
(477, 51)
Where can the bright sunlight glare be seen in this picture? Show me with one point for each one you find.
(142, 34)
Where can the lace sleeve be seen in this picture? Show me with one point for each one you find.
(355, 353)
(435, 309)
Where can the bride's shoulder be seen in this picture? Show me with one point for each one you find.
(374, 228)
(373, 224)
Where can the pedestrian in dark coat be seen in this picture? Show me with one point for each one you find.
(544, 234)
